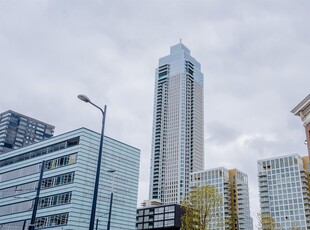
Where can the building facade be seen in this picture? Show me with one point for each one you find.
(166, 217)
(67, 187)
(284, 191)
(177, 140)
(232, 185)
(303, 111)
(18, 130)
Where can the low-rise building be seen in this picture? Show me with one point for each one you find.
(166, 217)
(69, 161)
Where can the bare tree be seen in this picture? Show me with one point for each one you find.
(203, 209)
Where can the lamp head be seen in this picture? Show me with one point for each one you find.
(84, 98)
(111, 171)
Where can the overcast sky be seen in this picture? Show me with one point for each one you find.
(254, 56)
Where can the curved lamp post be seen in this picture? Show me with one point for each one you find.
(96, 188)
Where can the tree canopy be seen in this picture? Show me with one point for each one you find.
(203, 209)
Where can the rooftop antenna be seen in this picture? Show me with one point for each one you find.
(180, 40)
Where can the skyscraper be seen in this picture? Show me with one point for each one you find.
(284, 190)
(177, 140)
(18, 130)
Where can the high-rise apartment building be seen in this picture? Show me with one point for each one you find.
(18, 130)
(232, 185)
(68, 182)
(303, 111)
(284, 191)
(177, 140)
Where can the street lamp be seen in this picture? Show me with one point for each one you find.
(111, 198)
(36, 200)
(95, 195)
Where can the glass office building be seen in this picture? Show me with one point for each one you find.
(18, 130)
(232, 185)
(284, 190)
(177, 140)
(67, 187)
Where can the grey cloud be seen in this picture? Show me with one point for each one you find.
(254, 56)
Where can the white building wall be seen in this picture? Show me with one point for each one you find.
(284, 191)
(177, 141)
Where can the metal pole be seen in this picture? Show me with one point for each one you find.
(95, 195)
(97, 220)
(110, 211)
(36, 200)
(111, 199)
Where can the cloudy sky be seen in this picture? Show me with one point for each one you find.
(254, 56)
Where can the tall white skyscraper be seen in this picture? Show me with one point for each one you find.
(177, 141)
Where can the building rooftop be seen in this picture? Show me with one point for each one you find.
(23, 115)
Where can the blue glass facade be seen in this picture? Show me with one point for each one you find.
(68, 182)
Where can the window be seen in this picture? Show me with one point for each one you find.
(159, 217)
(20, 172)
(169, 223)
(140, 212)
(52, 221)
(169, 215)
(59, 162)
(59, 199)
(140, 219)
(40, 152)
(158, 224)
(57, 180)
(159, 210)
(12, 225)
(169, 209)
(16, 207)
(18, 189)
